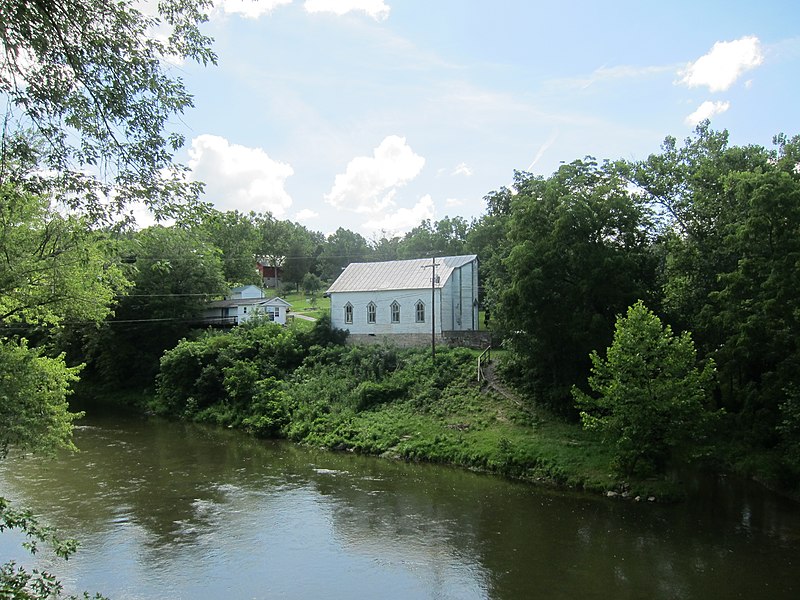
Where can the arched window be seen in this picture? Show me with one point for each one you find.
(419, 311)
(395, 312)
(348, 313)
(371, 312)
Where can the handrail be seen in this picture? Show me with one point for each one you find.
(488, 353)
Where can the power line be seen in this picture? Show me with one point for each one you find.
(176, 295)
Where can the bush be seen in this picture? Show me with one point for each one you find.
(651, 395)
(370, 393)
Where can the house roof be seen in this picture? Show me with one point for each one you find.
(278, 301)
(397, 274)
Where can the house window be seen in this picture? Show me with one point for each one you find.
(420, 311)
(371, 312)
(348, 313)
(273, 312)
(395, 312)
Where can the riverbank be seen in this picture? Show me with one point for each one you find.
(398, 404)
(383, 401)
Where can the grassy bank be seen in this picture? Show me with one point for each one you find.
(380, 401)
(449, 418)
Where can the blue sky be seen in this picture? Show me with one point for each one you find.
(375, 114)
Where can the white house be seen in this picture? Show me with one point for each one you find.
(399, 299)
(243, 303)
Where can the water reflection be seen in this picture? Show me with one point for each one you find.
(174, 511)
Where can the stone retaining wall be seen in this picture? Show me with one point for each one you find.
(401, 340)
(459, 339)
(468, 339)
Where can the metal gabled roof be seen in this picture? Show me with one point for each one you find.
(397, 274)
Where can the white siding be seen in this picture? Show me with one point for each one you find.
(246, 291)
(407, 299)
(278, 312)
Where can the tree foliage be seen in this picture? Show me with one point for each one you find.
(175, 272)
(488, 239)
(651, 396)
(311, 284)
(33, 399)
(340, 249)
(446, 237)
(579, 255)
(18, 583)
(227, 378)
(236, 237)
(731, 274)
(704, 232)
(301, 254)
(52, 266)
(90, 96)
(52, 269)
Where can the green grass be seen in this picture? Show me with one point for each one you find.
(302, 303)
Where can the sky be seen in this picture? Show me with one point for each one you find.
(373, 115)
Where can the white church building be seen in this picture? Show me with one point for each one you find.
(406, 300)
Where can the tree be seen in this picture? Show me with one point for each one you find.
(175, 272)
(488, 239)
(580, 254)
(386, 248)
(442, 238)
(301, 258)
(87, 102)
(730, 223)
(52, 267)
(274, 239)
(311, 284)
(89, 99)
(754, 310)
(340, 249)
(236, 236)
(33, 399)
(651, 396)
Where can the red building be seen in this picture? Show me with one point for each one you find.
(271, 276)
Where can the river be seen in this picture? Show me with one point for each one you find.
(171, 510)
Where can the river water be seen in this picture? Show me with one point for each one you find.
(170, 510)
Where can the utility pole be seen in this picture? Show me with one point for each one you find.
(432, 267)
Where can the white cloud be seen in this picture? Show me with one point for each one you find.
(305, 215)
(707, 110)
(402, 220)
(463, 169)
(377, 9)
(249, 9)
(370, 183)
(453, 202)
(724, 64)
(238, 177)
